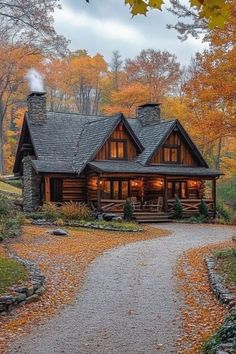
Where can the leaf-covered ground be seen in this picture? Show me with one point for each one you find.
(64, 261)
(202, 313)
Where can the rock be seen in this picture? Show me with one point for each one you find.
(59, 232)
(40, 291)
(30, 291)
(109, 216)
(32, 298)
(20, 297)
(117, 218)
(8, 299)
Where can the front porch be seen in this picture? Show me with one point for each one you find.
(150, 195)
(155, 194)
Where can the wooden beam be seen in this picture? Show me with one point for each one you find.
(99, 193)
(214, 195)
(165, 196)
(47, 189)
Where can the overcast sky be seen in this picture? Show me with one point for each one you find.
(105, 25)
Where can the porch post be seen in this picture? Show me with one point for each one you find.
(214, 195)
(165, 194)
(47, 189)
(99, 193)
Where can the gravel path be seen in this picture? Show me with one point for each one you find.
(128, 303)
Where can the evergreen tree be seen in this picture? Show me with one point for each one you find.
(203, 209)
(128, 211)
(177, 209)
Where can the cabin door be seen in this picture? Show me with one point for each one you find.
(56, 189)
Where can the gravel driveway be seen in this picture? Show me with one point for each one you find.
(128, 303)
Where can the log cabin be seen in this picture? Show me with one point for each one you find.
(103, 161)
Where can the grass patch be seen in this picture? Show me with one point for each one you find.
(11, 272)
(106, 225)
(5, 187)
(226, 264)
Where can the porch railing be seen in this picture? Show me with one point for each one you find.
(112, 205)
(192, 205)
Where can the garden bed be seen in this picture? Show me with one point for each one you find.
(20, 282)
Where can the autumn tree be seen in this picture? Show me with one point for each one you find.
(116, 65)
(26, 32)
(158, 71)
(127, 99)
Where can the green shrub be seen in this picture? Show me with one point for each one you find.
(9, 227)
(73, 211)
(128, 211)
(223, 212)
(177, 209)
(50, 211)
(198, 219)
(4, 206)
(203, 209)
(14, 182)
(35, 215)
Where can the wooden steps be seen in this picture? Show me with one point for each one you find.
(152, 217)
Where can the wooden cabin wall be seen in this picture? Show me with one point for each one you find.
(119, 133)
(186, 157)
(74, 189)
(92, 188)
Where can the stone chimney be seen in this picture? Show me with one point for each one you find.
(149, 113)
(37, 107)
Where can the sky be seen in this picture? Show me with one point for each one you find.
(103, 26)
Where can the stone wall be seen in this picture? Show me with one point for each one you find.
(31, 186)
(25, 293)
(149, 114)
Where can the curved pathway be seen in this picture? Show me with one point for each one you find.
(128, 302)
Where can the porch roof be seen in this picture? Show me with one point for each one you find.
(135, 167)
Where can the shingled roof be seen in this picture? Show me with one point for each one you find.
(68, 143)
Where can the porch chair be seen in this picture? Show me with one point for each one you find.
(157, 205)
(135, 204)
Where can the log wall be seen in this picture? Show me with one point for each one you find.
(119, 133)
(185, 154)
(74, 189)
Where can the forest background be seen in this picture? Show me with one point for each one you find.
(202, 96)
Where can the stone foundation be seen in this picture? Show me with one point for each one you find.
(31, 186)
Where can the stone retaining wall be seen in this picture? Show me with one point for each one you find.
(27, 293)
(217, 284)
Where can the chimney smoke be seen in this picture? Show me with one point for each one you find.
(35, 80)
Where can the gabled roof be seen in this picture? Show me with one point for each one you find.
(154, 136)
(67, 143)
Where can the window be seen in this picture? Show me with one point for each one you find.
(115, 190)
(118, 149)
(171, 154)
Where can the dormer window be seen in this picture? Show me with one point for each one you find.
(171, 154)
(118, 149)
